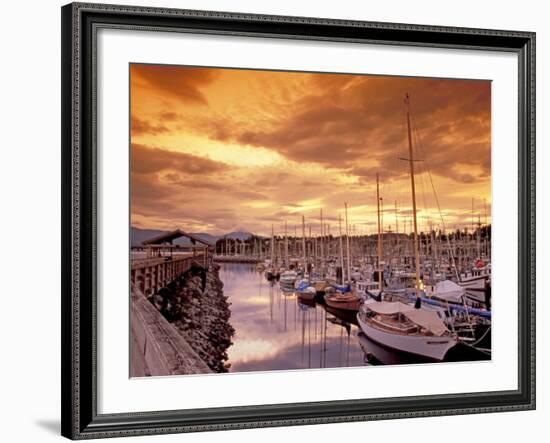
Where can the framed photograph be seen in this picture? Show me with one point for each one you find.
(273, 221)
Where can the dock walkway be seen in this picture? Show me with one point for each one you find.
(157, 348)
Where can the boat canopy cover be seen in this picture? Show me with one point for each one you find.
(342, 288)
(389, 308)
(305, 286)
(448, 290)
(427, 319)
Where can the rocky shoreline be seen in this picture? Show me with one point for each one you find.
(196, 305)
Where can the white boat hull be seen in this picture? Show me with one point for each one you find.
(430, 347)
(474, 282)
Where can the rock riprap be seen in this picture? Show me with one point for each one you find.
(196, 305)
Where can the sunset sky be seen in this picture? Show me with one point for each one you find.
(218, 150)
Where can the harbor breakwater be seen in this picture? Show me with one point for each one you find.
(196, 305)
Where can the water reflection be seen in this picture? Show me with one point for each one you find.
(379, 355)
(275, 330)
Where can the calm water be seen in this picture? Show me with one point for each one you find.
(274, 331)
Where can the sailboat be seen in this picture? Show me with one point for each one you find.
(446, 290)
(288, 278)
(344, 296)
(272, 272)
(305, 290)
(403, 327)
(476, 282)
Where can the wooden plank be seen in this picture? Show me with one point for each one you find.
(158, 348)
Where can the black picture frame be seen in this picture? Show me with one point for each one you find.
(80, 22)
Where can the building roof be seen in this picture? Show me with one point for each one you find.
(168, 237)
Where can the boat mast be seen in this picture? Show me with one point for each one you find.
(286, 246)
(272, 246)
(347, 244)
(485, 249)
(472, 219)
(433, 252)
(321, 240)
(413, 190)
(396, 253)
(379, 248)
(304, 242)
(396, 221)
(341, 247)
(478, 235)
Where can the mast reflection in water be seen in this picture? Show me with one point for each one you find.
(275, 331)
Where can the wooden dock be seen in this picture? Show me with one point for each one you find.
(157, 348)
(150, 274)
(236, 259)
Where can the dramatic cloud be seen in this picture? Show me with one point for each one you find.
(140, 127)
(182, 84)
(366, 122)
(267, 146)
(146, 159)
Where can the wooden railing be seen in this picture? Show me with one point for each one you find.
(150, 274)
(237, 258)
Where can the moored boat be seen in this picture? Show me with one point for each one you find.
(272, 273)
(366, 288)
(305, 291)
(343, 298)
(419, 332)
(447, 291)
(476, 277)
(288, 278)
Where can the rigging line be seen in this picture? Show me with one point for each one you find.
(400, 167)
(428, 172)
(453, 261)
(421, 172)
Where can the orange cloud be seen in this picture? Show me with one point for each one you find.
(181, 84)
(147, 159)
(243, 145)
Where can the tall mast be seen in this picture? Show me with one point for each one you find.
(433, 252)
(396, 231)
(311, 251)
(486, 249)
(321, 239)
(413, 190)
(347, 244)
(272, 246)
(472, 218)
(341, 246)
(286, 246)
(478, 235)
(379, 249)
(396, 221)
(304, 241)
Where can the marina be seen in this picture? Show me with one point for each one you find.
(363, 263)
(278, 328)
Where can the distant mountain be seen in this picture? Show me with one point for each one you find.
(206, 237)
(139, 235)
(237, 235)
